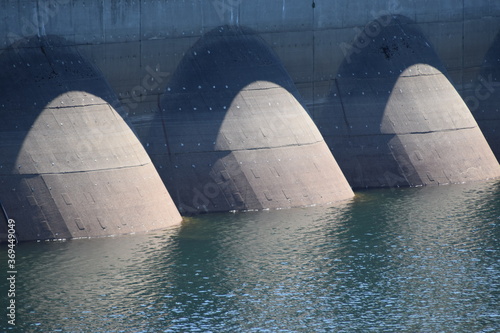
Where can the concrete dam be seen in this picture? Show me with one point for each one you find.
(118, 115)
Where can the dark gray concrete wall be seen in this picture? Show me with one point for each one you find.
(483, 96)
(139, 44)
(70, 166)
(130, 39)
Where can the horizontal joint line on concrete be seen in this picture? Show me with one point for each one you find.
(83, 171)
(347, 136)
(73, 106)
(239, 150)
(440, 131)
(285, 146)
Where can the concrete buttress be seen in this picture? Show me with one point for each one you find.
(235, 134)
(70, 166)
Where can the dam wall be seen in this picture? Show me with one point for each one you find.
(139, 44)
(237, 105)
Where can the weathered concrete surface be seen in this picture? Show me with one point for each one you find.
(483, 97)
(70, 166)
(394, 119)
(234, 135)
(126, 39)
(138, 44)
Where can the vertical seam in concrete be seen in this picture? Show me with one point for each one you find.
(140, 34)
(202, 14)
(37, 15)
(6, 216)
(164, 127)
(463, 44)
(104, 25)
(313, 115)
(342, 106)
(239, 14)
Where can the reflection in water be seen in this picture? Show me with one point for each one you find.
(405, 260)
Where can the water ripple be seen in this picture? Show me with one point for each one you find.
(400, 260)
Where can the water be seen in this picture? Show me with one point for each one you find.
(400, 260)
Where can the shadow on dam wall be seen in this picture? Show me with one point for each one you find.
(394, 119)
(70, 166)
(233, 135)
(483, 98)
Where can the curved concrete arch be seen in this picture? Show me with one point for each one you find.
(235, 135)
(71, 167)
(393, 117)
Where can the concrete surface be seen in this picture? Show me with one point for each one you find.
(70, 165)
(138, 45)
(482, 96)
(127, 38)
(394, 119)
(234, 135)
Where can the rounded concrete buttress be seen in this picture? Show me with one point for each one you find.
(394, 118)
(236, 135)
(70, 166)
